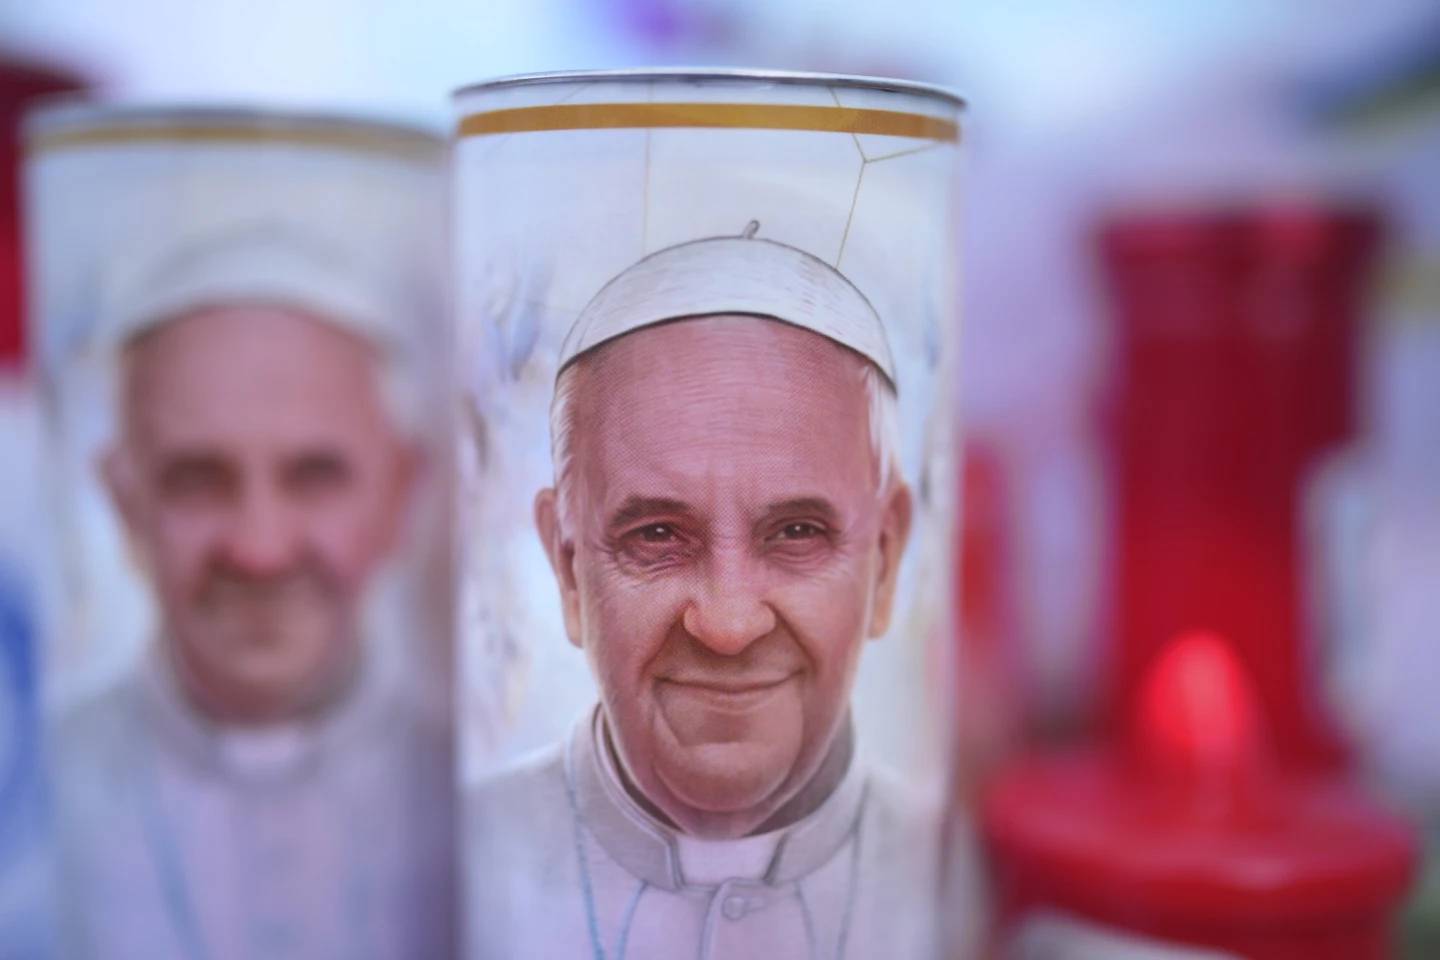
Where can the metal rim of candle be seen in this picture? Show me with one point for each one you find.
(701, 74)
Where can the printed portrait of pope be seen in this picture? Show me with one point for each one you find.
(726, 528)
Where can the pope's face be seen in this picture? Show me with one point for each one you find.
(727, 548)
(261, 482)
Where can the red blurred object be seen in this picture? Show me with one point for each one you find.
(1236, 346)
(20, 85)
(1211, 813)
(1192, 836)
(988, 721)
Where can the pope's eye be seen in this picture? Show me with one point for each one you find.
(800, 531)
(197, 477)
(656, 546)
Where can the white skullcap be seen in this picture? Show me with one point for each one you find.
(744, 275)
(268, 262)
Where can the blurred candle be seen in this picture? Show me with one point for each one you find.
(1236, 351)
(23, 824)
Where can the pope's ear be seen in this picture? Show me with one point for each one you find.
(561, 553)
(119, 473)
(409, 471)
(894, 535)
(412, 467)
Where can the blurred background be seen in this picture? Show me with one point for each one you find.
(1200, 353)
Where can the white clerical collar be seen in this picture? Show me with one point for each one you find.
(664, 858)
(708, 863)
(272, 753)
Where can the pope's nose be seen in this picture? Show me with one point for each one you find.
(728, 613)
(264, 537)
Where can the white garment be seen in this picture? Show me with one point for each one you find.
(564, 864)
(181, 840)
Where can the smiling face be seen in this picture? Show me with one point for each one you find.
(261, 481)
(726, 546)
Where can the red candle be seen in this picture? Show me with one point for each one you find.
(20, 85)
(1236, 335)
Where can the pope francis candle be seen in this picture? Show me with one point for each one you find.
(704, 337)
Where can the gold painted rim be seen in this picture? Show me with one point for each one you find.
(405, 143)
(734, 116)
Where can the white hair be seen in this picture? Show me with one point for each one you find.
(401, 393)
(882, 405)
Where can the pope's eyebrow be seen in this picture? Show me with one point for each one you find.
(194, 465)
(636, 508)
(818, 507)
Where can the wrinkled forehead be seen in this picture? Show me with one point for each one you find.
(220, 366)
(224, 324)
(736, 391)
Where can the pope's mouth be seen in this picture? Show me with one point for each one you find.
(731, 695)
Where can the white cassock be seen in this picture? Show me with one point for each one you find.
(563, 863)
(180, 840)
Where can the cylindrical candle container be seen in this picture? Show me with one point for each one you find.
(237, 315)
(1237, 336)
(24, 833)
(1210, 822)
(704, 512)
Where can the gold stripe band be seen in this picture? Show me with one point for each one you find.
(738, 116)
(365, 140)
